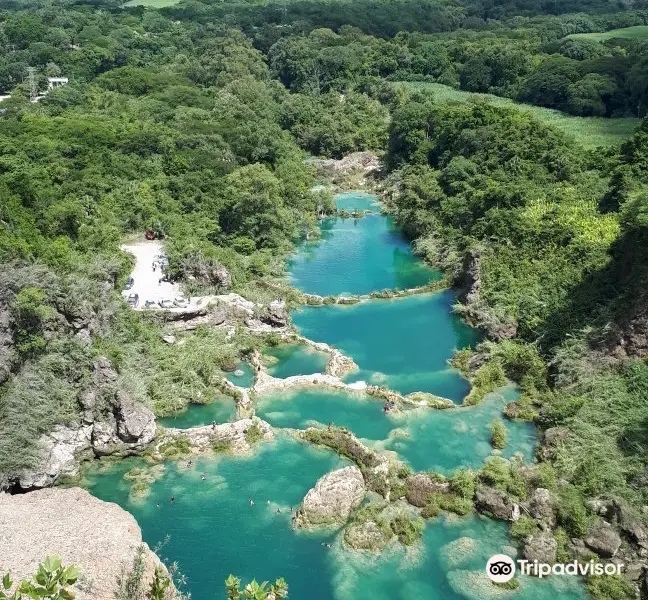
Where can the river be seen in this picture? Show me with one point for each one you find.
(211, 530)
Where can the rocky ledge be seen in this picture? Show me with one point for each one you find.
(238, 437)
(100, 538)
(332, 500)
(111, 424)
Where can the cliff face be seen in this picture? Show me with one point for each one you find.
(100, 538)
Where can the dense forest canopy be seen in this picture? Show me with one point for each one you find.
(196, 121)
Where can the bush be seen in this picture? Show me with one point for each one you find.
(609, 587)
(253, 434)
(572, 514)
(499, 435)
(523, 527)
(408, 530)
(462, 483)
(486, 380)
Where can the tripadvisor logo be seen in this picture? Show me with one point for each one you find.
(501, 568)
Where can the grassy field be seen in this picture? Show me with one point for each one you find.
(589, 131)
(639, 32)
(151, 3)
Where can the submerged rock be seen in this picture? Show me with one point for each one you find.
(100, 538)
(333, 498)
(368, 536)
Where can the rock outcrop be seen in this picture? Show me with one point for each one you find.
(494, 503)
(541, 507)
(356, 162)
(603, 539)
(100, 538)
(332, 500)
(541, 547)
(112, 424)
(419, 486)
(238, 437)
(276, 314)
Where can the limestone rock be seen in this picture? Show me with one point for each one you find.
(420, 485)
(333, 498)
(100, 538)
(492, 502)
(541, 547)
(59, 456)
(551, 441)
(356, 162)
(203, 439)
(603, 539)
(366, 536)
(276, 314)
(135, 423)
(541, 507)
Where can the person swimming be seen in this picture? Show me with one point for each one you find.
(251, 502)
(203, 477)
(172, 499)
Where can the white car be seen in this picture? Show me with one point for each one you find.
(180, 302)
(166, 303)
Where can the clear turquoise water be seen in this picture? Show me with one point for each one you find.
(247, 379)
(402, 343)
(221, 410)
(358, 256)
(213, 531)
(296, 359)
(429, 440)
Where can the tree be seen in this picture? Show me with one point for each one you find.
(499, 435)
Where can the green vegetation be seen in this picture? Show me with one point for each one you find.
(609, 587)
(498, 434)
(639, 32)
(51, 582)
(253, 434)
(407, 530)
(254, 590)
(151, 3)
(175, 448)
(589, 132)
(524, 527)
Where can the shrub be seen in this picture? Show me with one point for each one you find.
(407, 530)
(499, 435)
(523, 527)
(609, 587)
(253, 434)
(486, 380)
(462, 483)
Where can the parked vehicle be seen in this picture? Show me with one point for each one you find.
(150, 304)
(180, 302)
(132, 300)
(165, 303)
(129, 283)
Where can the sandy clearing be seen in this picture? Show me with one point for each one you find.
(147, 281)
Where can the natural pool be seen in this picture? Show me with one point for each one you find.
(428, 440)
(358, 256)
(295, 359)
(220, 410)
(213, 531)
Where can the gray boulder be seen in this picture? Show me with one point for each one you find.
(541, 507)
(276, 314)
(494, 503)
(541, 547)
(603, 539)
(332, 500)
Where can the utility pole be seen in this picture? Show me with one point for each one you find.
(33, 91)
